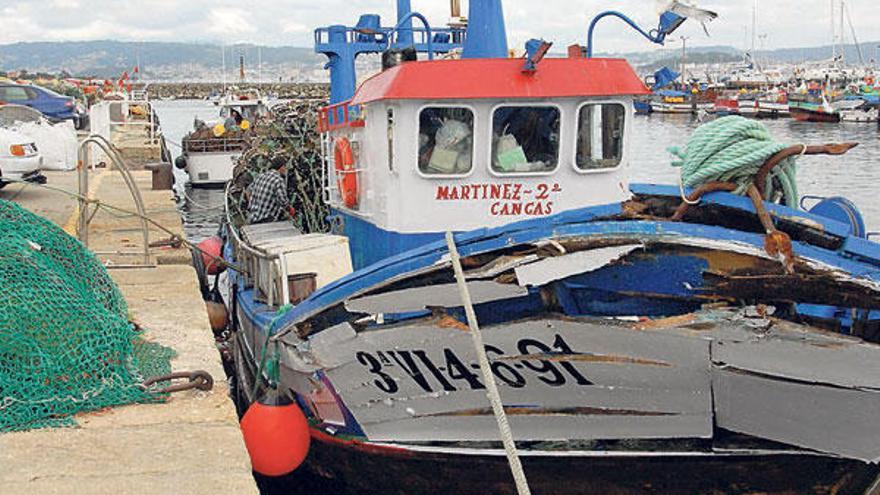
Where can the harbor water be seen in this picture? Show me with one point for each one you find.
(854, 175)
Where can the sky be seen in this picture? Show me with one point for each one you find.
(787, 23)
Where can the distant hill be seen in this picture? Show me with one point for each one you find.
(203, 61)
(721, 53)
(109, 58)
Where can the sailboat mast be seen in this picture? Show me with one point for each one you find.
(833, 33)
(855, 39)
(841, 36)
(754, 25)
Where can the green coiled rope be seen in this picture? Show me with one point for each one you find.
(733, 149)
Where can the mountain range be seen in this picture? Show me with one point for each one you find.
(203, 61)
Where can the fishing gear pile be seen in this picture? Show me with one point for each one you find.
(66, 343)
(289, 134)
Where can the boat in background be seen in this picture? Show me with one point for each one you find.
(772, 104)
(807, 108)
(211, 149)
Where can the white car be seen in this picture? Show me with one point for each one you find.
(19, 158)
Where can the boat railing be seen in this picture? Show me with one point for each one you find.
(123, 119)
(340, 115)
(217, 145)
(270, 283)
(442, 39)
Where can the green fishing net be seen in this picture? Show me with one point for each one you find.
(66, 343)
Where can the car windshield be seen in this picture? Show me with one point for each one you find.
(50, 92)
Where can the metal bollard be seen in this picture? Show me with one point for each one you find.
(163, 176)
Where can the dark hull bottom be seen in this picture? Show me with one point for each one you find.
(810, 116)
(345, 468)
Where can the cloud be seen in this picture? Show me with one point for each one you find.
(787, 23)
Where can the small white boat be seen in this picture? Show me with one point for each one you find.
(859, 115)
(211, 150)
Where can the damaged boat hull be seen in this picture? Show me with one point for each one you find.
(382, 363)
(352, 468)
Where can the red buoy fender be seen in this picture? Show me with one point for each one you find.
(346, 175)
(211, 249)
(276, 435)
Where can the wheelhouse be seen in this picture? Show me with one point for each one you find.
(426, 147)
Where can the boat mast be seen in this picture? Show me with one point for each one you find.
(841, 37)
(853, 30)
(683, 58)
(754, 26)
(833, 34)
(223, 56)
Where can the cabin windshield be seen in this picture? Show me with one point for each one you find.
(600, 136)
(525, 139)
(446, 142)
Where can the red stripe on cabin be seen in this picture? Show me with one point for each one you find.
(501, 78)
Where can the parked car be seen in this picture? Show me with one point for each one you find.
(51, 104)
(19, 158)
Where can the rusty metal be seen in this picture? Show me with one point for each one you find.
(776, 243)
(173, 241)
(798, 149)
(698, 193)
(198, 380)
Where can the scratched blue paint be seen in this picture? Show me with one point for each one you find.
(369, 243)
(743, 203)
(859, 257)
(598, 293)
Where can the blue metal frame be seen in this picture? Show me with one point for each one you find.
(486, 33)
(669, 22)
(342, 44)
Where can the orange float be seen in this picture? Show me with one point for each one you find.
(346, 176)
(276, 434)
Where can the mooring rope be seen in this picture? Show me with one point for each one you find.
(733, 149)
(519, 476)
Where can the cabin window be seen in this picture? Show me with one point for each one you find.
(391, 139)
(600, 136)
(525, 139)
(446, 140)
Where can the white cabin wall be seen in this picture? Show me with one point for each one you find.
(418, 211)
(403, 200)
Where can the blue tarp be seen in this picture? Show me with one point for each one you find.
(670, 92)
(664, 77)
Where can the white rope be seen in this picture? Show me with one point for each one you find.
(519, 476)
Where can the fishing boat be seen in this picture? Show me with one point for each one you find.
(772, 104)
(632, 341)
(209, 152)
(812, 109)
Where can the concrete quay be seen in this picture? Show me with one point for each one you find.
(189, 445)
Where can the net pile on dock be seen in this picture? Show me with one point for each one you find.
(66, 344)
(290, 134)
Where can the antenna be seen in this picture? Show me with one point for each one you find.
(241, 66)
(223, 56)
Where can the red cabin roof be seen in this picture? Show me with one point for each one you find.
(501, 78)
